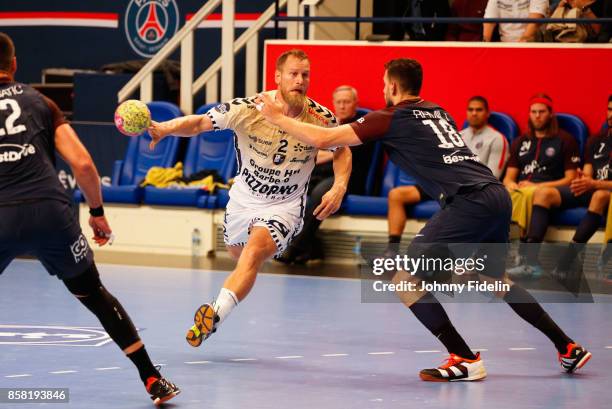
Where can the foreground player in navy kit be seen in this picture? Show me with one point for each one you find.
(36, 216)
(422, 139)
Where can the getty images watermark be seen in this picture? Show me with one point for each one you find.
(481, 272)
(423, 266)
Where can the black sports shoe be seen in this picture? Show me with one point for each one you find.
(161, 390)
(575, 357)
(205, 320)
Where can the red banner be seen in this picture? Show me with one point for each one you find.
(577, 77)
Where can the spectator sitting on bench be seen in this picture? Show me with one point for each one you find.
(482, 139)
(591, 189)
(541, 161)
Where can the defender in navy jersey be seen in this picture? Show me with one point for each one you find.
(36, 217)
(421, 139)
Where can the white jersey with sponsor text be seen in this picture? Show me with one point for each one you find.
(273, 166)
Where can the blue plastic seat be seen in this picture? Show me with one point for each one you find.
(572, 217)
(568, 217)
(575, 127)
(353, 204)
(211, 150)
(378, 205)
(131, 171)
(363, 111)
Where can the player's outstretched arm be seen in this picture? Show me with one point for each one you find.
(313, 135)
(77, 157)
(188, 125)
(332, 199)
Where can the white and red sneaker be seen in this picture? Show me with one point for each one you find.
(575, 357)
(456, 369)
(161, 390)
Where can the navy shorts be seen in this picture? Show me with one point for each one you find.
(569, 201)
(47, 230)
(475, 222)
(424, 196)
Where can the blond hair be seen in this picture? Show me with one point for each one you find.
(297, 53)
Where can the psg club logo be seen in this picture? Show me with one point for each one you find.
(149, 24)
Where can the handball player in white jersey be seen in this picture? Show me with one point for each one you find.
(267, 199)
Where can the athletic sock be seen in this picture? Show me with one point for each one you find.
(538, 224)
(143, 363)
(569, 255)
(394, 239)
(430, 312)
(528, 309)
(587, 227)
(225, 303)
(535, 235)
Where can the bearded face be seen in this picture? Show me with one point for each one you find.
(293, 97)
(293, 80)
(540, 117)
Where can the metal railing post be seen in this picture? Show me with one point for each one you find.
(186, 101)
(212, 89)
(276, 14)
(251, 66)
(227, 50)
(293, 9)
(146, 88)
(357, 25)
(203, 79)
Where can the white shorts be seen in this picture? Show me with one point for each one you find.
(283, 221)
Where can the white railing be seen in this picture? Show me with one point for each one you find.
(210, 77)
(144, 77)
(223, 65)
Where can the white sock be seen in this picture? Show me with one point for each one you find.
(225, 303)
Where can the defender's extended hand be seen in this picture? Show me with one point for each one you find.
(271, 110)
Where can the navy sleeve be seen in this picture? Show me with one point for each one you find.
(373, 126)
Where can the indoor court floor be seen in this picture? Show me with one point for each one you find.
(295, 342)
